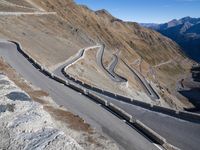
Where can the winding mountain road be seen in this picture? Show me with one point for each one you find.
(70, 61)
(127, 138)
(110, 71)
(182, 134)
(147, 87)
(112, 66)
(99, 57)
(26, 13)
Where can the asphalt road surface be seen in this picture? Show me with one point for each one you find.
(126, 137)
(99, 58)
(182, 134)
(147, 87)
(112, 66)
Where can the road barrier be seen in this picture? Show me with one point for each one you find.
(149, 132)
(179, 114)
(46, 72)
(30, 59)
(76, 88)
(37, 64)
(98, 99)
(131, 119)
(121, 112)
(141, 104)
(171, 112)
(59, 79)
(67, 83)
(134, 122)
(86, 91)
(52, 75)
(189, 116)
(182, 114)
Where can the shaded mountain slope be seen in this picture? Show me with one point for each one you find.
(185, 31)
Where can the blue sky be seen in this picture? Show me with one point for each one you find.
(146, 11)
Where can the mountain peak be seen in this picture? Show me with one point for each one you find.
(173, 23)
(187, 18)
(185, 31)
(186, 26)
(103, 12)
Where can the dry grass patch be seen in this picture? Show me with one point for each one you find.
(74, 121)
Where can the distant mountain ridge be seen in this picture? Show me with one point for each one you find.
(185, 31)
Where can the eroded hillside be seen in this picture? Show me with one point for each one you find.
(52, 39)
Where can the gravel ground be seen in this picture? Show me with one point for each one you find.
(18, 96)
(25, 124)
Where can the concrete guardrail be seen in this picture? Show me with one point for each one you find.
(59, 79)
(46, 72)
(98, 99)
(121, 112)
(135, 122)
(189, 116)
(76, 88)
(179, 114)
(67, 83)
(148, 131)
(132, 120)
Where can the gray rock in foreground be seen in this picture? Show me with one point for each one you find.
(25, 125)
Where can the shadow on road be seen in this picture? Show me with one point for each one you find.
(193, 95)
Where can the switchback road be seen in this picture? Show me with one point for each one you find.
(127, 137)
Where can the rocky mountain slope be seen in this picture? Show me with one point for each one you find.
(52, 39)
(185, 31)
